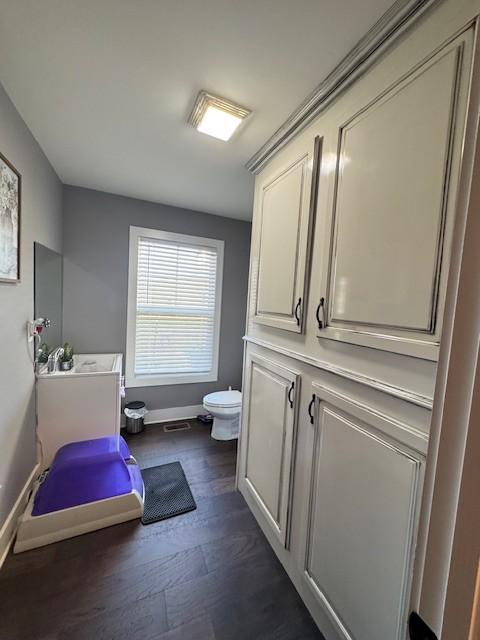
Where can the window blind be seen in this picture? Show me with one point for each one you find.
(175, 308)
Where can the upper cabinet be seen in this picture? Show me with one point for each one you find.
(284, 205)
(392, 210)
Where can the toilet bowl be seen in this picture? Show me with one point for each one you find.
(225, 408)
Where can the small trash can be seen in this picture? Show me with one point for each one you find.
(134, 414)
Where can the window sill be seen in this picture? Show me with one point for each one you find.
(158, 381)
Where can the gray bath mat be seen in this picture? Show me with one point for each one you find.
(167, 493)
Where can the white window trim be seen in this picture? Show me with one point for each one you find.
(131, 379)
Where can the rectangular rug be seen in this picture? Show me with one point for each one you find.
(167, 493)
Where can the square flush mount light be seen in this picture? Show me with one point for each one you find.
(216, 117)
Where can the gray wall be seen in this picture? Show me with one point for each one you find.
(96, 233)
(41, 219)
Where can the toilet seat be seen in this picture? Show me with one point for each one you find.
(223, 399)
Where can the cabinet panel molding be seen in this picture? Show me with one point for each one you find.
(417, 399)
(364, 500)
(393, 209)
(270, 426)
(386, 426)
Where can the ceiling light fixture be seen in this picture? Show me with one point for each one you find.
(216, 116)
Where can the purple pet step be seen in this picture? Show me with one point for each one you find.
(87, 471)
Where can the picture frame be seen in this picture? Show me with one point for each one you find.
(10, 221)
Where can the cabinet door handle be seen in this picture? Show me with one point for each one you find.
(321, 307)
(296, 313)
(310, 407)
(292, 387)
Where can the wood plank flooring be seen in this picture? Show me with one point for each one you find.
(206, 575)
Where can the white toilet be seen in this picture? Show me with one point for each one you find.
(225, 408)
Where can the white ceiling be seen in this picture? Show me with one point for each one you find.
(106, 86)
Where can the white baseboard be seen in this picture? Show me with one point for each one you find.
(9, 528)
(172, 413)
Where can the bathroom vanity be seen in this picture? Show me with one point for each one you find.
(79, 404)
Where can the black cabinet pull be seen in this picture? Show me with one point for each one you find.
(321, 306)
(292, 387)
(310, 407)
(296, 313)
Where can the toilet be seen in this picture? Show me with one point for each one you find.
(225, 408)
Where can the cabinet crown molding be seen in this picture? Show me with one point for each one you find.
(401, 15)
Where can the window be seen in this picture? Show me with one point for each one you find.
(174, 301)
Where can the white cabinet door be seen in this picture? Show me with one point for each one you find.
(284, 210)
(393, 207)
(363, 504)
(268, 438)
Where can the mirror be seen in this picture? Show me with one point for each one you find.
(48, 295)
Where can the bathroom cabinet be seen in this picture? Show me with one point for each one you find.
(364, 488)
(79, 404)
(392, 209)
(284, 244)
(353, 225)
(270, 420)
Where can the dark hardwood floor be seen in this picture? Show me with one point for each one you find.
(206, 575)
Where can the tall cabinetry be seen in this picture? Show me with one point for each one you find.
(352, 234)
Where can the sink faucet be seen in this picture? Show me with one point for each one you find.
(53, 359)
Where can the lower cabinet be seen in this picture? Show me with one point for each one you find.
(363, 499)
(267, 456)
(336, 485)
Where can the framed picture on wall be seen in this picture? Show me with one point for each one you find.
(10, 205)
